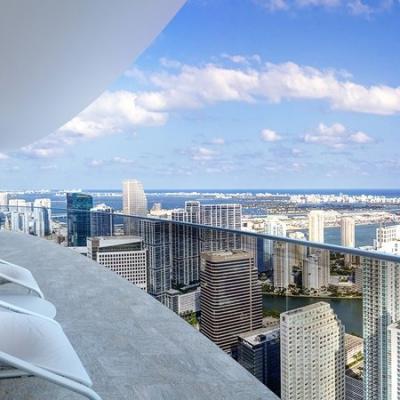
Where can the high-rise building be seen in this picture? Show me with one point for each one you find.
(259, 352)
(357, 278)
(312, 354)
(230, 299)
(185, 300)
(354, 386)
(134, 199)
(185, 248)
(17, 205)
(316, 226)
(392, 247)
(78, 218)
(222, 216)
(101, 220)
(385, 234)
(275, 227)
(280, 263)
(381, 307)
(124, 255)
(347, 232)
(316, 270)
(4, 201)
(19, 221)
(189, 241)
(394, 361)
(157, 236)
(42, 217)
(272, 227)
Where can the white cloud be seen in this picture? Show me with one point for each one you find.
(360, 137)
(96, 163)
(194, 87)
(112, 161)
(273, 5)
(48, 167)
(268, 135)
(112, 112)
(318, 3)
(3, 156)
(357, 7)
(42, 149)
(135, 73)
(354, 7)
(203, 154)
(240, 59)
(189, 87)
(336, 136)
(169, 63)
(218, 141)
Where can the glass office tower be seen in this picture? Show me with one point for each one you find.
(78, 218)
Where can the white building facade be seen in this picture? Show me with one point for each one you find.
(316, 226)
(134, 199)
(126, 256)
(312, 354)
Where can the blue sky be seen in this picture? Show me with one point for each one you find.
(241, 94)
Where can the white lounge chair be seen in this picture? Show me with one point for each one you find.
(15, 274)
(31, 345)
(11, 273)
(26, 304)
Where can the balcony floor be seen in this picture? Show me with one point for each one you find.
(131, 346)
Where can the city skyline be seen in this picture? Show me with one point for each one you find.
(307, 94)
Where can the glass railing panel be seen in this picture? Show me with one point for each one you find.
(232, 284)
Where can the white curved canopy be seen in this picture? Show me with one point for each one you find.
(56, 57)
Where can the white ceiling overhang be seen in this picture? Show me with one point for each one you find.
(56, 57)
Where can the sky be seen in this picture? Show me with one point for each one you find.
(240, 94)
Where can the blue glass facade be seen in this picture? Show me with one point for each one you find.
(78, 218)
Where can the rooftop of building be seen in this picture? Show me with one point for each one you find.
(109, 241)
(307, 308)
(257, 336)
(225, 255)
(131, 345)
(352, 341)
(184, 289)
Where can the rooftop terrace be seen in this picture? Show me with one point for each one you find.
(131, 345)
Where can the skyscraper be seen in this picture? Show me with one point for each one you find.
(280, 262)
(78, 218)
(316, 226)
(347, 232)
(312, 354)
(385, 234)
(17, 205)
(101, 220)
(133, 198)
(276, 228)
(42, 217)
(189, 241)
(4, 201)
(125, 255)
(259, 353)
(394, 361)
(231, 301)
(185, 248)
(222, 216)
(381, 307)
(157, 236)
(316, 270)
